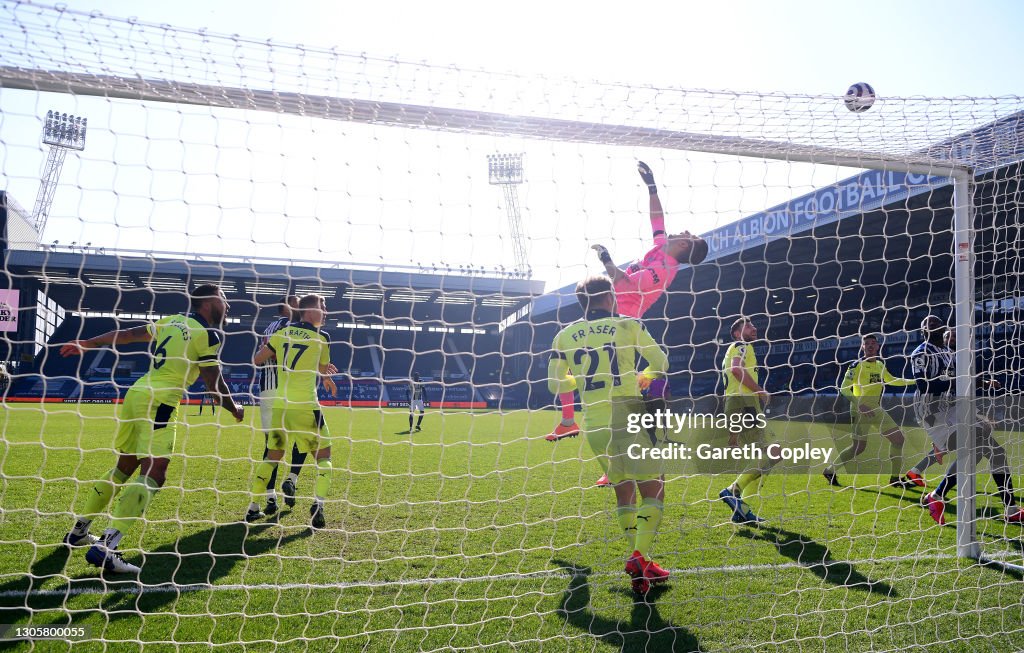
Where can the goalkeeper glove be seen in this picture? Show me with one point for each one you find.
(647, 176)
(602, 253)
(643, 381)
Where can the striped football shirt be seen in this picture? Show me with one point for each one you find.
(268, 371)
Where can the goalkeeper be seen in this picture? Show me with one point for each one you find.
(599, 355)
(640, 286)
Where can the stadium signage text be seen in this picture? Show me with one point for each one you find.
(856, 195)
(8, 310)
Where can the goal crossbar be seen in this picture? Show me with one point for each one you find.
(458, 120)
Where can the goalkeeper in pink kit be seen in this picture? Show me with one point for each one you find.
(639, 287)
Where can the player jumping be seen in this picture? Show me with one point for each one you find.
(639, 287)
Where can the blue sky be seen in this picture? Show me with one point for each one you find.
(238, 182)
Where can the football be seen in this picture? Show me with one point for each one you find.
(859, 97)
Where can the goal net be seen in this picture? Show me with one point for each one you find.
(446, 214)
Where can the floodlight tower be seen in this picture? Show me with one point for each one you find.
(62, 133)
(506, 170)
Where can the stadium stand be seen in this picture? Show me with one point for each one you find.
(384, 325)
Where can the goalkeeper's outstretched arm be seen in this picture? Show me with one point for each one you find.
(657, 212)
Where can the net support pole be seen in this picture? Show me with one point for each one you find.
(964, 407)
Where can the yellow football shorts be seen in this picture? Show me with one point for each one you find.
(305, 427)
(146, 427)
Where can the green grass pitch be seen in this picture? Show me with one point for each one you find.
(475, 534)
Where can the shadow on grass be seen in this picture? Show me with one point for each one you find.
(15, 594)
(645, 631)
(817, 559)
(192, 562)
(908, 496)
(983, 512)
(1012, 571)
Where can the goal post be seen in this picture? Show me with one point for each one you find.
(963, 271)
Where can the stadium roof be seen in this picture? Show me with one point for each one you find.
(93, 281)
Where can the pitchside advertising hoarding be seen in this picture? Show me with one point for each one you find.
(8, 310)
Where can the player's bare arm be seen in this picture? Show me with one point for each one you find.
(110, 338)
(741, 374)
(328, 369)
(329, 383)
(606, 259)
(265, 354)
(219, 388)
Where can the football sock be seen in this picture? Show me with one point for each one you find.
(298, 460)
(746, 479)
(648, 518)
(102, 492)
(895, 459)
(261, 478)
(568, 400)
(131, 505)
(627, 520)
(323, 478)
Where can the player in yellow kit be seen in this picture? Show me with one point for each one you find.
(744, 395)
(863, 384)
(598, 355)
(185, 347)
(302, 353)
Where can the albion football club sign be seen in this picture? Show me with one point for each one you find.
(8, 310)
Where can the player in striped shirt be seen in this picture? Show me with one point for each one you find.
(639, 287)
(286, 313)
(415, 400)
(863, 384)
(599, 355)
(935, 371)
(301, 351)
(185, 347)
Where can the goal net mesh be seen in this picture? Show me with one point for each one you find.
(271, 169)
